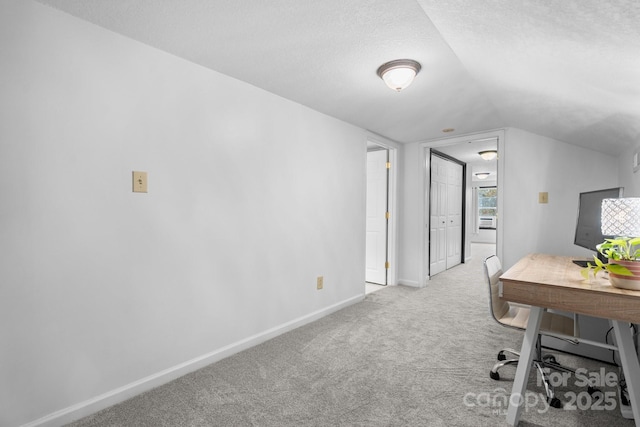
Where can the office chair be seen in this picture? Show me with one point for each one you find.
(516, 316)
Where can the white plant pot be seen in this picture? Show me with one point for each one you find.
(626, 282)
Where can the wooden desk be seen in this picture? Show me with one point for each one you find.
(547, 281)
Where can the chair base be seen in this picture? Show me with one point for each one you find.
(543, 363)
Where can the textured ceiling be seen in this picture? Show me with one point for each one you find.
(569, 70)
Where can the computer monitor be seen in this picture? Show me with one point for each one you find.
(588, 231)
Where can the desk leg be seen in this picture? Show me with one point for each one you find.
(630, 365)
(524, 366)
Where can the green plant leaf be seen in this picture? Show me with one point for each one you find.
(585, 272)
(619, 269)
(625, 248)
(620, 241)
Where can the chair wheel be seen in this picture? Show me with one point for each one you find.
(501, 356)
(595, 393)
(494, 375)
(555, 403)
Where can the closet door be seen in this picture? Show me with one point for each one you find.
(438, 220)
(445, 244)
(454, 214)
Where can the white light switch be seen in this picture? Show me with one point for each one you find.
(543, 197)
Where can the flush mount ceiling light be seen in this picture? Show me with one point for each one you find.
(482, 175)
(488, 154)
(399, 74)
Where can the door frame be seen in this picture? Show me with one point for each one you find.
(426, 178)
(384, 152)
(392, 200)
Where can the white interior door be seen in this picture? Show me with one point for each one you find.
(376, 240)
(438, 207)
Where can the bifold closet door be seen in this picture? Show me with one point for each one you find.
(445, 215)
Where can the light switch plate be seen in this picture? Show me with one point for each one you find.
(139, 182)
(543, 197)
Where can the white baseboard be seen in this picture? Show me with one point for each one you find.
(91, 406)
(411, 283)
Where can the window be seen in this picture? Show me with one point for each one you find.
(487, 207)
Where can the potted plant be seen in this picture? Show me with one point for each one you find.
(623, 266)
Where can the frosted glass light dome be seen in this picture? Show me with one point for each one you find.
(399, 74)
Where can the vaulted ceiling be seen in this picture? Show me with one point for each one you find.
(569, 69)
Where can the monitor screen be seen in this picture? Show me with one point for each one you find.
(588, 233)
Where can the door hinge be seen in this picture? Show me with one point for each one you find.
(388, 165)
(387, 215)
(387, 265)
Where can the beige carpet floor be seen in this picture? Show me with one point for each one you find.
(402, 357)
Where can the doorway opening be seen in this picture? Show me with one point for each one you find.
(478, 224)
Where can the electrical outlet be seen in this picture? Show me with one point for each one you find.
(320, 282)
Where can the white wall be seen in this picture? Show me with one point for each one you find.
(532, 164)
(628, 179)
(411, 218)
(536, 164)
(104, 292)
